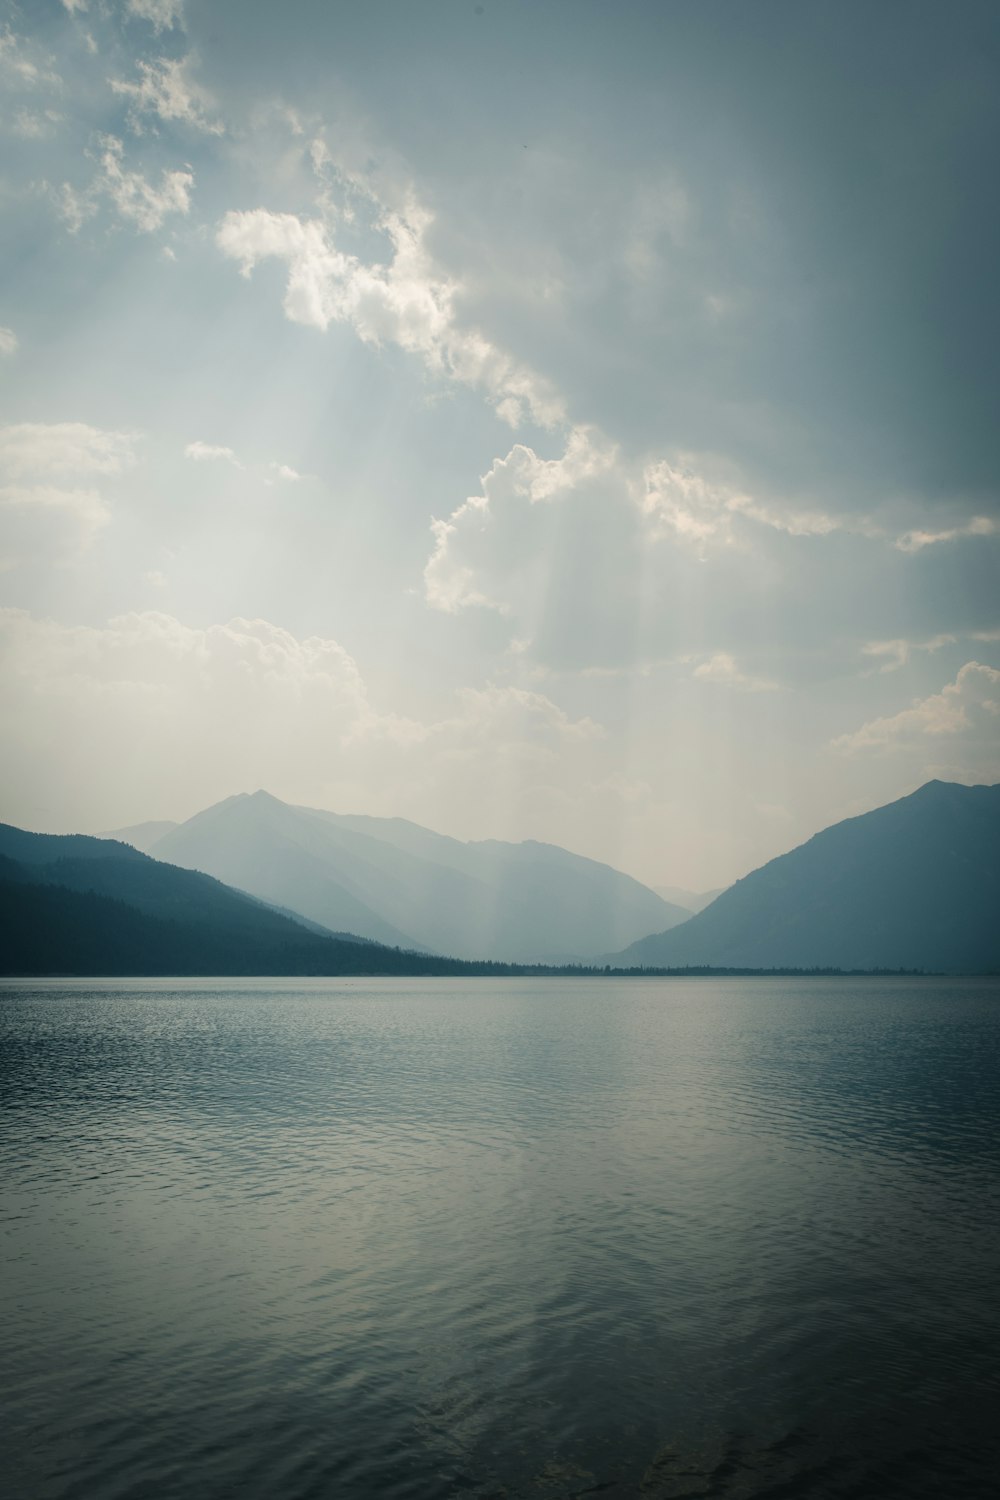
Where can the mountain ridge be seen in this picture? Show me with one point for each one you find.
(396, 882)
(913, 884)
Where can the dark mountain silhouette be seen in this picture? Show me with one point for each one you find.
(78, 905)
(395, 882)
(913, 885)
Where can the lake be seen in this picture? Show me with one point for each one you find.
(425, 1238)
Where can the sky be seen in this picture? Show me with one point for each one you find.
(537, 420)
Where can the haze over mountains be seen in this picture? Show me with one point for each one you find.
(70, 904)
(397, 883)
(914, 884)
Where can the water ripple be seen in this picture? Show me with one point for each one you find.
(413, 1239)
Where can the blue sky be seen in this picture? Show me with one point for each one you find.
(542, 420)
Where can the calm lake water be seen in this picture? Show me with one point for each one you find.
(398, 1238)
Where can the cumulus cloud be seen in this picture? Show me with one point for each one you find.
(956, 708)
(407, 300)
(916, 541)
(8, 342)
(467, 545)
(165, 90)
(722, 668)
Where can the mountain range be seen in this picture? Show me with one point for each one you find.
(914, 884)
(397, 883)
(70, 904)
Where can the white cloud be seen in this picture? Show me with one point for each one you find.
(895, 654)
(23, 66)
(679, 500)
(916, 541)
(407, 301)
(46, 510)
(465, 545)
(202, 453)
(976, 690)
(8, 342)
(165, 90)
(58, 448)
(135, 198)
(74, 5)
(722, 668)
(164, 15)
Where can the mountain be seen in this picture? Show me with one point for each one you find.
(913, 885)
(141, 835)
(398, 883)
(78, 905)
(692, 901)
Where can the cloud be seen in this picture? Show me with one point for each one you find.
(136, 199)
(36, 125)
(158, 711)
(164, 15)
(722, 668)
(84, 506)
(679, 500)
(202, 453)
(8, 342)
(407, 300)
(466, 545)
(45, 509)
(916, 541)
(956, 708)
(23, 66)
(165, 90)
(897, 653)
(57, 448)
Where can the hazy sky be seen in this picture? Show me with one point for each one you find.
(545, 419)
